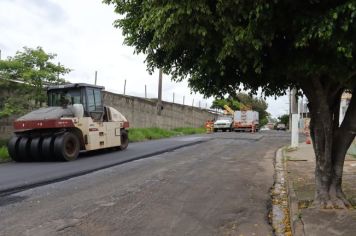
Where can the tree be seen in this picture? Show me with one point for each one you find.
(27, 73)
(219, 45)
(220, 103)
(284, 119)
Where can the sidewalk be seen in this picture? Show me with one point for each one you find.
(300, 166)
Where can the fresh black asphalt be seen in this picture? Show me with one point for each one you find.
(15, 177)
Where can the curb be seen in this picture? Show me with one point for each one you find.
(295, 218)
(286, 216)
(280, 215)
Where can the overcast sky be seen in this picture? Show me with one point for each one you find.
(81, 33)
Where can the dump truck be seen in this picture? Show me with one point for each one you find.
(75, 120)
(246, 121)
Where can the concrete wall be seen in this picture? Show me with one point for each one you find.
(141, 113)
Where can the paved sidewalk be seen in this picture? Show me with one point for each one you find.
(300, 166)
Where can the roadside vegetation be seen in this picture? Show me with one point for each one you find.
(141, 134)
(4, 155)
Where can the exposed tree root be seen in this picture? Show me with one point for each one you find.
(335, 202)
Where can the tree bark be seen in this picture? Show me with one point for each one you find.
(330, 141)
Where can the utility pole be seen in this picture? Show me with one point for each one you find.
(290, 111)
(295, 119)
(96, 77)
(145, 91)
(59, 64)
(125, 87)
(159, 101)
(193, 103)
(173, 97)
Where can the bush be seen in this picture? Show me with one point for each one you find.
(4, 154)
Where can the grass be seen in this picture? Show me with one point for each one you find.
(141, 134)
(4, 155)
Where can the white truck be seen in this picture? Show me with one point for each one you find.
(246, 121)
(223, 123)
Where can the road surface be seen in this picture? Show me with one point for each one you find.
(218, 187)
(19, 176)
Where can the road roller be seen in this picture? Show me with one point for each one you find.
(75, 120)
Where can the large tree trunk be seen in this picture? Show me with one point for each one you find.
(330, 141)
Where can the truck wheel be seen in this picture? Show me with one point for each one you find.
(66, 147)
(23, 152)
(12, 147)
(47, 148)
(215, 130)
(36, 149)
(124, 140)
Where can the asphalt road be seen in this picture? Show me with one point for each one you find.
(217, 187)
(18, 176)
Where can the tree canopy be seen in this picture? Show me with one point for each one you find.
(284, 119)
(26, 74)
(220, 45)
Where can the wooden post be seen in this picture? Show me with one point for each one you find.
(159, 101)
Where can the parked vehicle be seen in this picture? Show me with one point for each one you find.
(74, 120)
(223, 123)
(281, 126)
(246, 121)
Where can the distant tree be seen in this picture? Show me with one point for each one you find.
(220, 103)
(268, 45)
(23, 77)
(284, 119)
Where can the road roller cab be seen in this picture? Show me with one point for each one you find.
(74, 120)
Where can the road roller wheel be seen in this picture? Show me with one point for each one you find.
(36, 149)
(66, 147)
(47, 148)
(24, 149)
(124, 139)
(12, 147)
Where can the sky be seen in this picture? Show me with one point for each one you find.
(82, 35)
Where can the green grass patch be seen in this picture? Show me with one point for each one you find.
(141, 134)
(4, 154)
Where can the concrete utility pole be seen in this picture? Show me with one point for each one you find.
(96, 77)
(145, 91)
(125, 87)
(183, 100)
(159, 101)
(295, 119)
(173, 97)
